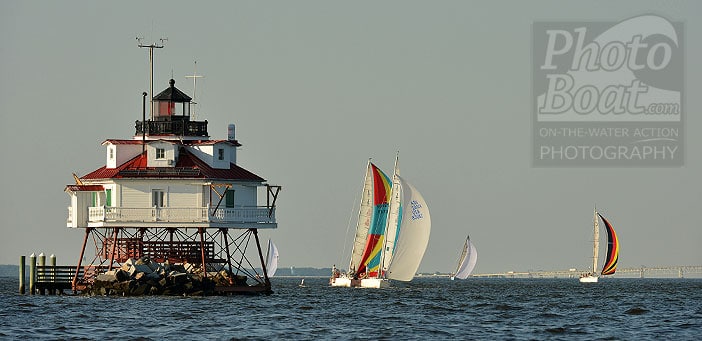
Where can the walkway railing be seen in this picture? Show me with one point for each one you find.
(258, 214)
(54, 278)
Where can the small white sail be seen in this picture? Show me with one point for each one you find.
(414, 234)
(469, 257)
(271, 259)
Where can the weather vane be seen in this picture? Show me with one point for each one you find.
(151, 48)
(194, 76)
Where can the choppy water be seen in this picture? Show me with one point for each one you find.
(426, 308)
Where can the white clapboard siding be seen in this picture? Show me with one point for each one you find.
(183, 195)
(135, 195)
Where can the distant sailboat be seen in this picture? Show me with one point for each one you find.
(466, 263)
(392, 232)
(610, 265)
(302, 283)
(271, 259)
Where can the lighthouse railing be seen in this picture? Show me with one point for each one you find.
(246, 214)
(258, 214)
(175, 127)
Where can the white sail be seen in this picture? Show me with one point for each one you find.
(271, 259)
(469, 257)
(392, 227)
(414, 234)
(596, 242)
(364, 220)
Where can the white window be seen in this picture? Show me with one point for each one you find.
(160, 153)
(220, 154)
(157, 197)
(112, 153)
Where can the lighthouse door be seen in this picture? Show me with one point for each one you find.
(157, 201)
(157, 196)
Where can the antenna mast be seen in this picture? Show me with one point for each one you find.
(195, 76)
(151, 48)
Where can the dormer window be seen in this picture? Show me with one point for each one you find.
(220, 154)
(160, 153)
(112, 153)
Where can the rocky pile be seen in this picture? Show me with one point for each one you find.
(145, 277)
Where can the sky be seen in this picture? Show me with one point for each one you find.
(315, 88)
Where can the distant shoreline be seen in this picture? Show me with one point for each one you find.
(688, 271)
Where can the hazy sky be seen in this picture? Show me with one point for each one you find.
(315, 88)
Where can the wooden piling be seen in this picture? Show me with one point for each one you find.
(42, 263)
(52, 260)
(21, 275)
(32, 273)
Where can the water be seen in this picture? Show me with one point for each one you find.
(426, 308)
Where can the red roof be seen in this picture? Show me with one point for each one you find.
(187, 167)
(85, 188)
(122, 142)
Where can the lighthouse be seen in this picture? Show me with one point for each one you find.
(172, 204)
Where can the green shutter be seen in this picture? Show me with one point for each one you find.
(108, 197)
(229, 197)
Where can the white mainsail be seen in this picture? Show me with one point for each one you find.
(469, 257)
(596, 242)
(393, 223)
(414, 234)
(271, 259)
(364, 220)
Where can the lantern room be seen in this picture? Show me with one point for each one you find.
(172, 104)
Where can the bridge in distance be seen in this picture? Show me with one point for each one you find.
(682, 271)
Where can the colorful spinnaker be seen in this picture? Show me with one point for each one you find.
(370, 261)
(610, 265)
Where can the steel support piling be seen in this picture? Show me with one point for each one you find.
(82, 253)
(260, 256)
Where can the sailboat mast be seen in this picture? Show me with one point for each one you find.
(596, 241)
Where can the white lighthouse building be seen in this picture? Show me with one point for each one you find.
(172, 195)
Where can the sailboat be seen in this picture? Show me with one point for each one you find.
(466, 263)
(610, 265)
(271, 259)
(392, 232)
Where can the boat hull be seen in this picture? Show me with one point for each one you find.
(344, 282)
(588, 279)
(376, 283)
